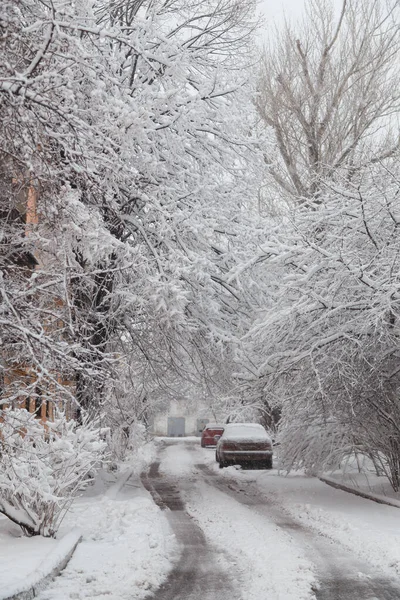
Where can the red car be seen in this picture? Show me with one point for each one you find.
(211, 434)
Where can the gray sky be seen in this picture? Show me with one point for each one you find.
(274, 13)
(276, 9)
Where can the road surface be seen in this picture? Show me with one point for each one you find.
(238, 541)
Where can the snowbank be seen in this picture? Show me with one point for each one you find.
(127, 545)
(126, 551)
(50, 567)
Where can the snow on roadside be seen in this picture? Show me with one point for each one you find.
(360, 473)
(20, 556)
(127, 548)
(368, 530)
(53, 562)
(126, 551)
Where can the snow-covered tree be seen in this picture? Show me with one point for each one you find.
(129, 122)
(324, 342)
(329, 93)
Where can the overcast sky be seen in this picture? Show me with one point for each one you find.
(276, 9)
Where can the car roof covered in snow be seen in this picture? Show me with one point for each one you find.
(241, 431)
(214, 426)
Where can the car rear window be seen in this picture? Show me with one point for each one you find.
(238, 431)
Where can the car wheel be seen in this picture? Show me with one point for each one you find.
(202, 445)
(222, 464)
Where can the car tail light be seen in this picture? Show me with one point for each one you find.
(229, 445)
(266, 446)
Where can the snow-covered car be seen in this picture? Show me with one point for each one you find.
(211, 434)
(244, 443)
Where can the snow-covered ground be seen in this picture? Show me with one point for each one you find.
(126, 550)
(369, 530)
(266, 559)
(20, 556)
(128, 547)
(360, 473)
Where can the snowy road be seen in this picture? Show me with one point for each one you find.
(250, 535)
(197, 573)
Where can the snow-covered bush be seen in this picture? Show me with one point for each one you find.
(319, 445)
(126, 439)
(43, 467)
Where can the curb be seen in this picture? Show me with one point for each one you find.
(47, 571)
(356, 492)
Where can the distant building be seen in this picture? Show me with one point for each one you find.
(181, 419)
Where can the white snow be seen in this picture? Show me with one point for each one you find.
(245, 431)
(177, 462)
(370, 531)
(359, 472)
(43, 569)
(128, 547)
(266, 559)
(126, 551)
(20, 556)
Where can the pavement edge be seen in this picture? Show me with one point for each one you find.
(356, 492)
(38, 581)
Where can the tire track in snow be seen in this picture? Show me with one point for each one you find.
(197, 574)
(340, 576)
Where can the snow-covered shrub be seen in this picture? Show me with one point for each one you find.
(126, 440)
(318, 445)
(43, 467)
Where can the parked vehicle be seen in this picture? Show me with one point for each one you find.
(244, 443)
(211, 434)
